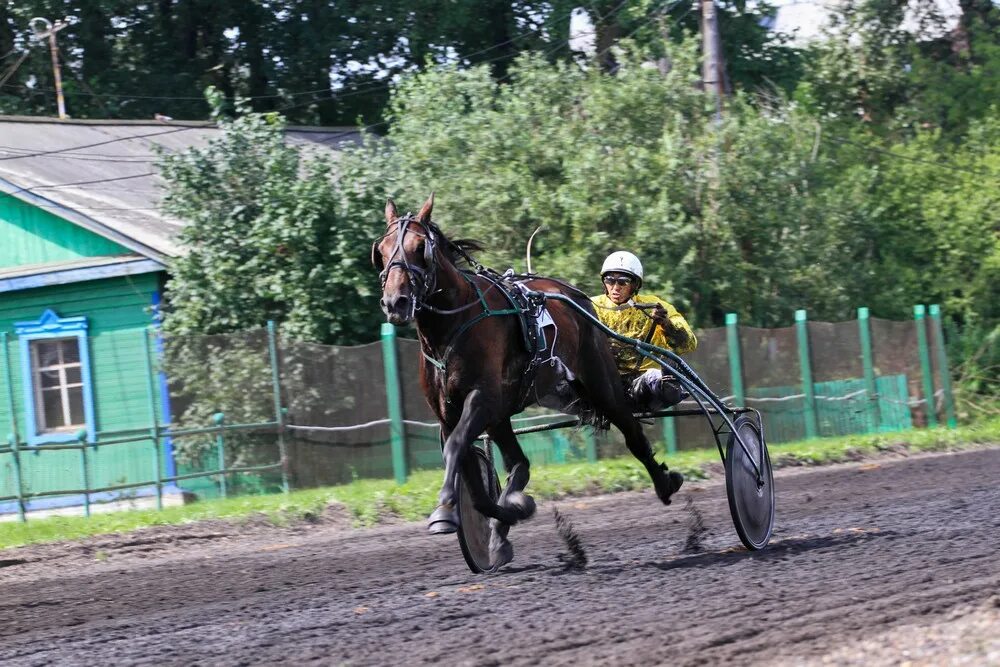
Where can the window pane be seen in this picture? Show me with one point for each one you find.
(49, 379)
(48, 352)
(73, 375)
(76, 405)
(53, 412)
(71, 350)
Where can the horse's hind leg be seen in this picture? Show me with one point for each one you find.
(609, 400)
(512, 497)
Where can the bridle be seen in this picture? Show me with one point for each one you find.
(422, 280)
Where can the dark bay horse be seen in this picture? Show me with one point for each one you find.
(473, 371)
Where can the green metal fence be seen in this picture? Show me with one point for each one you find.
(255, 412)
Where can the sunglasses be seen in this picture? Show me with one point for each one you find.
(623, 280)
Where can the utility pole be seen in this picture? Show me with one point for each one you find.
(49, 30)
(712, 72)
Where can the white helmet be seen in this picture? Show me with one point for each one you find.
(623, 262)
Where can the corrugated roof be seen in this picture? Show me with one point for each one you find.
(102, 174)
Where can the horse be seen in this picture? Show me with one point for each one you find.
(475, 367)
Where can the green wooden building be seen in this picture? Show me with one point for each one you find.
(84, 258)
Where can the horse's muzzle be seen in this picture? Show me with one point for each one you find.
(398, 309)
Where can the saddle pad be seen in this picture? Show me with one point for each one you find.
(544, 318)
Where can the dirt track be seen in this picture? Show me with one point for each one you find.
(858, 551)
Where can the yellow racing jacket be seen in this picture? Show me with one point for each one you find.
(638, 323)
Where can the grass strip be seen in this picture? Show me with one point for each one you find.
(372, 501)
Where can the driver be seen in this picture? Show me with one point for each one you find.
(649, 386)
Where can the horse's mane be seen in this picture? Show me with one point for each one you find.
(456, 250)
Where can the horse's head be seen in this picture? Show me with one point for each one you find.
(405, 259)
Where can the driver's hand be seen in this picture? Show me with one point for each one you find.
(660, 316)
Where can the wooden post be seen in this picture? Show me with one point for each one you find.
(81, 438)
(220, 450)
(805, 366)
(919, 316)
(279, 413)
(394, 402)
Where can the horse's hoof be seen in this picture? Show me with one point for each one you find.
(668, 485)
(443, 521)
(520, 503)
(500, 554)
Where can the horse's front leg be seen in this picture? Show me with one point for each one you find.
(475, 417)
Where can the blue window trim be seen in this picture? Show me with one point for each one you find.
(50, 325)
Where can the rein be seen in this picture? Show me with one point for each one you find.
(442, 364)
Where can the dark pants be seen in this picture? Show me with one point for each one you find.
(653, 390)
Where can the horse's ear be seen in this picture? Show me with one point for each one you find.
(390, 210)
(425, 211)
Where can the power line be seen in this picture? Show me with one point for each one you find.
(931, 163)
(104, 143)
(92, 157)
(66, 185)
(13, 68)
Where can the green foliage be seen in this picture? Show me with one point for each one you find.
(625, 161)
(269, 237)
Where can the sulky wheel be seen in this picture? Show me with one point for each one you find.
(474, 528)
(751, 502)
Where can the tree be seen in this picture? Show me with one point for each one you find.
(268, 237)
(606, 162)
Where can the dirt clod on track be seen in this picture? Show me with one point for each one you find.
(577, 558)
(865, 558)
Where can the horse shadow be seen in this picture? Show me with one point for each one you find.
(776, 551)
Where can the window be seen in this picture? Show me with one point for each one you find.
(58, 383)
(55, 370)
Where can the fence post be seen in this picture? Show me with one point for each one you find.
(394, 402)
(919, 316)
(154, 428)
(670, 433)
(14, 436)
(279, 414)
(735, 360)
(590, 440)
(943, 369)
(805, 366)
(220, 449)
(81, 437)
(868, 364)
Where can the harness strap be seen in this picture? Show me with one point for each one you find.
(515, 309)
